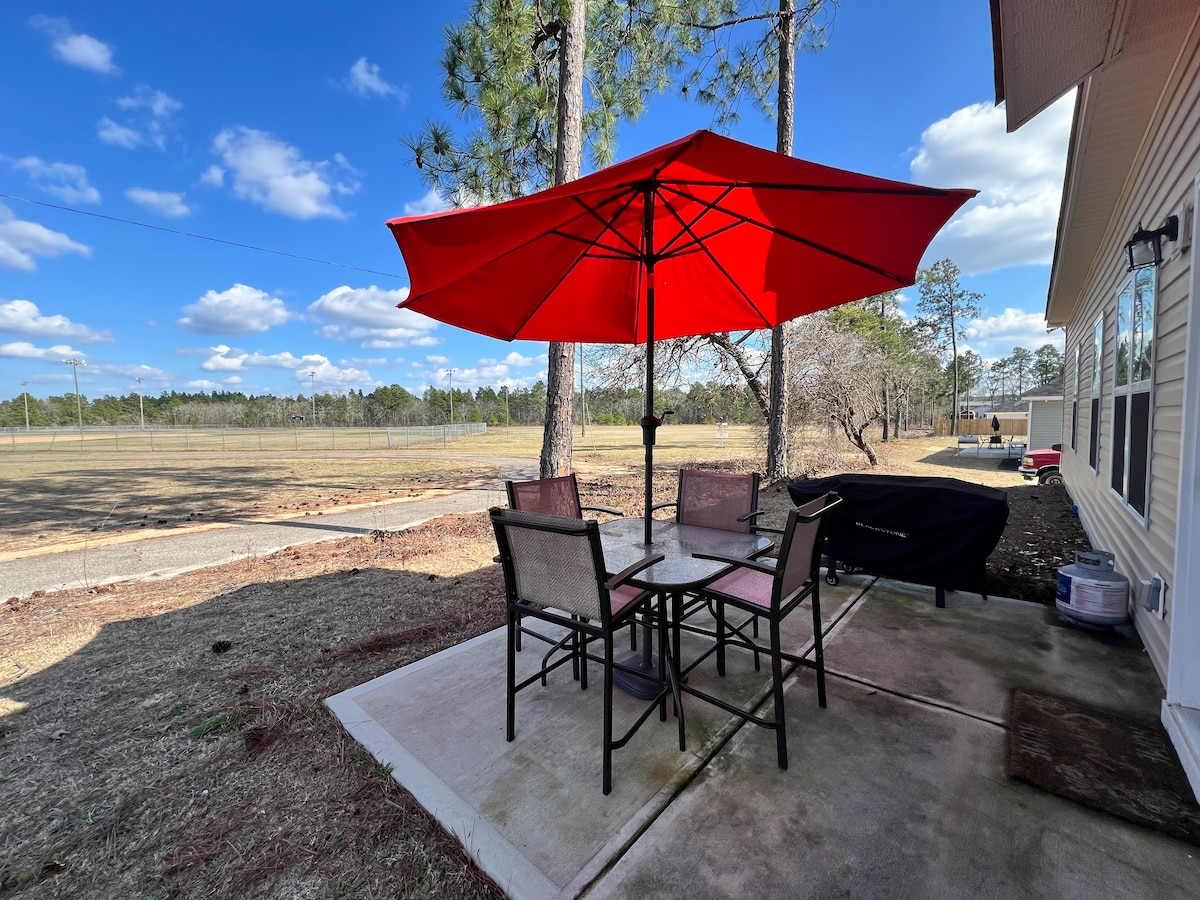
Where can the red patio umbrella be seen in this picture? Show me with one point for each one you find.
(703, 234)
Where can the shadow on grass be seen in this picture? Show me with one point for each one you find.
(185, 749)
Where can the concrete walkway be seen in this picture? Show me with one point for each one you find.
(897, 789)
(170, 555)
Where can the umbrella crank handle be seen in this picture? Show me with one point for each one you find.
(650, 426)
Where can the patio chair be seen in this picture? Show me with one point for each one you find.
(771, 589)
(554, 571)
(723, 500)
(558, 496)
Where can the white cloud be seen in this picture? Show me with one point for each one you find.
(239, 310)
(66, 181)
(369, 316)
(133, 372)
(214, 176)
(272, 174)
(20, 241)
(118, 135)
(203, 384)
(437, 360)
(995, 337)
(164, 203)
(427, 341)
(1013, 220)
(77, 49)
(432, 202)
(159, 104)
(365, 81)
(24, 317)
(26, 350)
(223, 358)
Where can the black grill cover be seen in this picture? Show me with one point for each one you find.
(932, 531)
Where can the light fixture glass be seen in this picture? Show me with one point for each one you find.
(1145, 247)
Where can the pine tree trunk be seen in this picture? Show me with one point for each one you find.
(777, 421)
(557, 438)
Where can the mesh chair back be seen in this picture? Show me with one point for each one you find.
(799, 549)
(551, 496)
(716, 499)
(553, 561)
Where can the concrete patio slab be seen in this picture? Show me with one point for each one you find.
(897, 789)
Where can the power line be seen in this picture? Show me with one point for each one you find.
(199, 237)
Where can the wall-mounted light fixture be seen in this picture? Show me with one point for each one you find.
(1145, 247)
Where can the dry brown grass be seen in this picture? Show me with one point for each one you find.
(168, 738)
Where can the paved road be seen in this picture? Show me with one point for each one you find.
(168, 556)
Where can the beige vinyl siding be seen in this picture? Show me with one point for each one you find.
(1161, 186)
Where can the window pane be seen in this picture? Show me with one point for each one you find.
(1118, 444)
(1142, 325)
(1097, 357)
(1094, 434)
(1124, 309)
(1139, 449)
(1074, 421)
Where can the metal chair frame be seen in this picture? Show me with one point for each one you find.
(783, 601)
(583, 627)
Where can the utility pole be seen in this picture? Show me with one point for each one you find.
(141, 402)
(451, 372)
(25, 393)
(312, 379)
(75, 364)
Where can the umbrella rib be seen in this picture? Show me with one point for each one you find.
(608, 223)
(613, 252)
(687, 228)
(717, 264)
(901, 191)
(741, 217)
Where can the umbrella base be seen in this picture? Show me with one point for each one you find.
(642, 683)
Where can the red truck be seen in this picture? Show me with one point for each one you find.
(1042, 465)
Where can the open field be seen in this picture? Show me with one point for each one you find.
(168, 739)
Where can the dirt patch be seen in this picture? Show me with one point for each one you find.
(168, 738)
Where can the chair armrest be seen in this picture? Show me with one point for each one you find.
(769, 529)
(624, 575)
(750, 515)
(824, 509)
(603, 509)
(663, 505)
(740, 562)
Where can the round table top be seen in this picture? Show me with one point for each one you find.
(623, 546)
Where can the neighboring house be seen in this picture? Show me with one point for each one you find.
(1133, 362)
(1046, 416)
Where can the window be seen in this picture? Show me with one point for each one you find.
(1097, 368)
(1131, 389)
(1075, 400)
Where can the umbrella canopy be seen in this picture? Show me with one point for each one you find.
(704, 234)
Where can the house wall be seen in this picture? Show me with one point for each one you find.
(1161, 184)
(1045, 423)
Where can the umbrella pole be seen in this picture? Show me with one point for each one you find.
(649, 421)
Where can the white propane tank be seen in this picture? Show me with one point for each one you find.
(1091, 592)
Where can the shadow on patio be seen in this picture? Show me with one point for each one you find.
(897, 789)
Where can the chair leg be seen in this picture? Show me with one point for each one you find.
(721, 638)
(514, 631)
(608, 712)
(777, 680)
(518, 632)
(667, 667)
(818, 644)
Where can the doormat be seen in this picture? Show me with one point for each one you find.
(1116, 765)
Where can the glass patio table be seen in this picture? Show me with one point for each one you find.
(678, 573)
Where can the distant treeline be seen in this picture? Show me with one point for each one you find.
(385, 406)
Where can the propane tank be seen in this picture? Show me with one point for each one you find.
(1091, 592)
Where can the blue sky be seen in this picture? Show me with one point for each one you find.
(278, 125)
